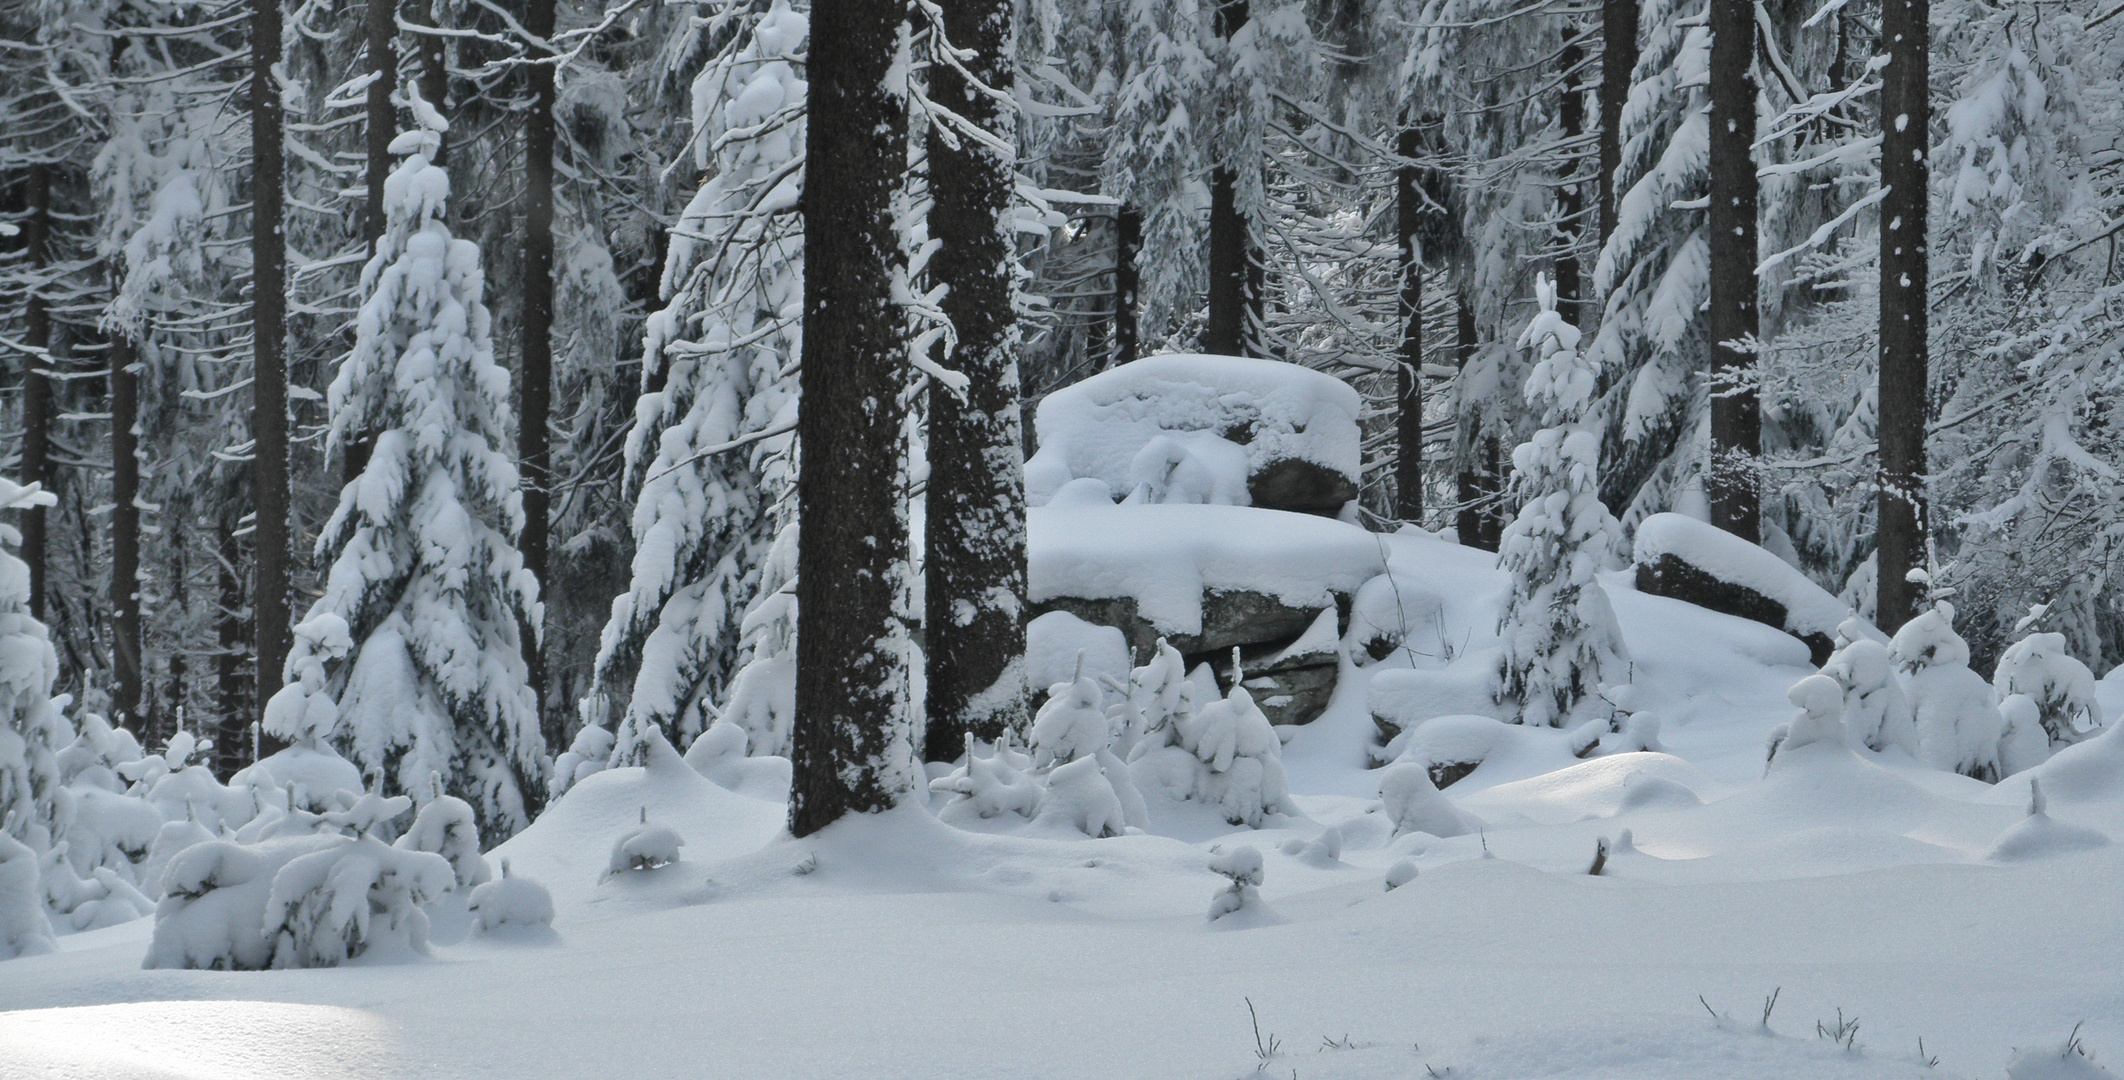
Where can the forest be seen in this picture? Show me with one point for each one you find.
(527, 427)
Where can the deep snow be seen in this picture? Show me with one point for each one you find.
(897, 946)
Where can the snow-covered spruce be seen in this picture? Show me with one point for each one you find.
(1072, 778)
(2061, 687)
(25, 930)
(446, 827)
(644, 847)
(510, 902)
(1956, 711)
(298, 890)
(1561, 642)
(711, 455)
(424, 571)
(1876, 712)
(31, 727)
(1225, 754)
(1242, 866)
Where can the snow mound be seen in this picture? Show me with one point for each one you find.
(1414, 804)
(1193, 428)
(1054, 641)
(719, 823)
(1480, 751)
(2067, 1062)
(2039, 835)
(1166, 557)
(2087, 771)
(511, 902)
(1600, 788)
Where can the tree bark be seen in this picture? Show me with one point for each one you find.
(1233, 280)
(269, 373)
(125, 535)
(1128, 282)
(1618, 57)
(1570, 201)
(974, 555)
(851, 750)
(37, 388)
(1906, 119)
(1736, 420)
(1408, 388)
(535, 392)
(1477, 523)
(232, 698)
(382, 116)
(1224, 331)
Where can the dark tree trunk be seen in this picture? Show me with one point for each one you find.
(434, 70)
(1408, 389)
(1477, 522)
(232, 698)
(850, 747)
(1128, 280)
(1234, 283)
(1736, 420)
(36, 387)
(269, 372)
(382, 122)
(1570, 201)
(1618, 56)
(535, 393)
(1906, 115)
(974, 559)
(125, 535)
(1224, 331)
(382, 116)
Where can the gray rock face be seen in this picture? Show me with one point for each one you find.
(1670, 576)
(1300, 486)
(1290, 686)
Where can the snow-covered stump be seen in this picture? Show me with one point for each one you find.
(1698, 563)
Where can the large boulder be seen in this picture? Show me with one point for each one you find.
(1689, 560)
(1208, 579)
(1185, 428)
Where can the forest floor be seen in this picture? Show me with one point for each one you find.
(1865, 892)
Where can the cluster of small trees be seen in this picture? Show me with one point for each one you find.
(253, 356)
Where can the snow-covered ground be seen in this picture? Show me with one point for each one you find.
(1852, 885)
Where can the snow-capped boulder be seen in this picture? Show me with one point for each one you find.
(1689, 560)
(1205, 578)
(1184, 428)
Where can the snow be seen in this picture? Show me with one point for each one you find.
(1166, 557)
(1843, 878)
(1189, 428)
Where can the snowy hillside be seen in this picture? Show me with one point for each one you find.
(1910, 902)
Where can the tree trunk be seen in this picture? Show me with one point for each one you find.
(1477, 522)
(1618, 56)
(535, 391)
(1408, 395)
(974, 558)
(269, 372)
(232, 699)
(1570, 202)
(1906, 114)
(1128, 281)
(434, 70)
(1224, 330)
(36, 387)
(851, 749)
(382, 122)
(1736, 421)
(382, 116)
(1233, 281)
(125, 535)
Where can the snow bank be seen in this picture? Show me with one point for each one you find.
(1202, 429)
(1690, 560)
(1166, 558)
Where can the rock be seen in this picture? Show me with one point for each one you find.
(1180, 428)
(1685, 559)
